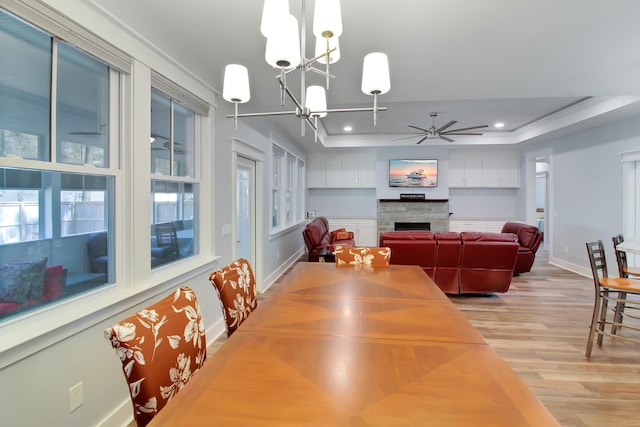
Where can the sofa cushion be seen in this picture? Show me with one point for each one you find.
(487, 237)
(315, 232)
(447, 235)
(22, 279)
(527, 236)
(407, 235)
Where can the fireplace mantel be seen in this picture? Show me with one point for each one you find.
(414, 200)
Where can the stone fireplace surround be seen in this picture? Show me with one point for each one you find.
(435, 212)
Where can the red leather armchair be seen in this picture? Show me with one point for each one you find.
(319, 240)
(529, 240)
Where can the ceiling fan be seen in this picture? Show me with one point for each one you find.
(434, 132)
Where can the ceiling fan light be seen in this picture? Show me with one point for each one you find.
(327, 19)
(273, 12)
(283, 45)
(375, 74)
(321, 47)
(236, 83)
(316, 101)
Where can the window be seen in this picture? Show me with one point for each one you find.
(300, 192)
(287, 189)
(56, 213)
(276, 164)
(291, 178)
(173, 198)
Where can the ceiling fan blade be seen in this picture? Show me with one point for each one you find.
(463, 133)
(463, 129)
(451, 123)
(416, 127)
(420, 142)
(446, 139)
(406, 137)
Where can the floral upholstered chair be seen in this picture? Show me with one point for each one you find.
(160, 348)
(362, 256)
(236, 289)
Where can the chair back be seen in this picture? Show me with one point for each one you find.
(621, 256)
(349, 256)
(160, 348)
(167, 237)
(235, 285)
(598, 261)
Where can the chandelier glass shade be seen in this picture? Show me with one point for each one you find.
(285, 51)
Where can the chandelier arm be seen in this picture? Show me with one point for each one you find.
(355, 110)
(266, 113)
(321, 72)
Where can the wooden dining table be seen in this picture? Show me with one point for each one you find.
(355, 346)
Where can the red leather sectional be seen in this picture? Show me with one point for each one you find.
(459, 263)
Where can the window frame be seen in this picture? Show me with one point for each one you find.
(290, 179)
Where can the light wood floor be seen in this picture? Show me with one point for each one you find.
(540, 328)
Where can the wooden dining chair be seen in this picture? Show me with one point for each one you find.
(349, 256)
(614, 289)
(623, 271)
(235, 285)
(161, 348)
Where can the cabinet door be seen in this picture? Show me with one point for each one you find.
(349, 173)
(456, 173)
(367, 173)
(465, 173)
(366, 236)
(473, 173)
(317, 174)
(511, 173)
(334, 173)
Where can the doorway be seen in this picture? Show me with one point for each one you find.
(245, 209)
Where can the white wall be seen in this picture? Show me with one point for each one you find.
(585, 178)
(36, 375)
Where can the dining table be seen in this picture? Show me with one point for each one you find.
(355, 346)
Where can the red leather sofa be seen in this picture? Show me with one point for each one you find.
(459, 263)
(320, 241)
(529, 240)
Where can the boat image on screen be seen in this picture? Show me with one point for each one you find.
(413, 173)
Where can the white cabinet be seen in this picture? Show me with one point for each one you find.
(488, 171)
(316, 174)
(499, 173)
(348, 171)
(488, 226)
(364, 230)
(465, 173)
(459, 225)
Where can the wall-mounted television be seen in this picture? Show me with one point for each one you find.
(413, 173)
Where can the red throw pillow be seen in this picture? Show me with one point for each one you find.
(342, 235)
(339, 232)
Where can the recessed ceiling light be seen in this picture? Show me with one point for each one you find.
(348, 128)
(499, 125)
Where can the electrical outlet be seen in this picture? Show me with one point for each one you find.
(76, 397)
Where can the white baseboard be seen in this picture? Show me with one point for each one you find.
(575, 268)
(273, 277)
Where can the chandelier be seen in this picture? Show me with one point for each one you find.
(285, 51)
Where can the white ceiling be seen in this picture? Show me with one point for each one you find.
(477, 62)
